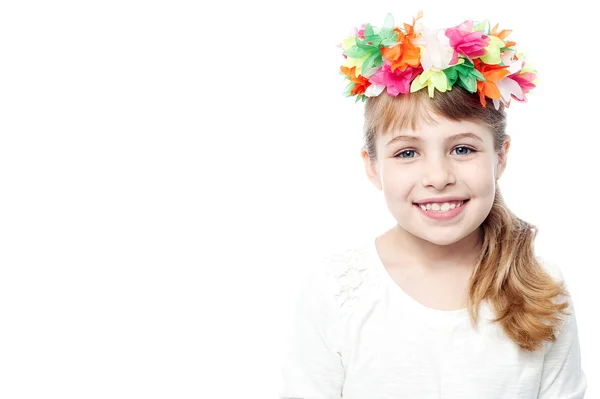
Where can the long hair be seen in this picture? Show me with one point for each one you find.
(507, 274)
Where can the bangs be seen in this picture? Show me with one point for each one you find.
(385, 114)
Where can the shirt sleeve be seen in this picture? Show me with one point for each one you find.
(312, 367)
(562, 376)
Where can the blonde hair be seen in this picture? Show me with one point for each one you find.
(507, 273)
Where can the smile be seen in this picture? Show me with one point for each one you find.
(443, 211)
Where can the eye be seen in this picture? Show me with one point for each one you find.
(405, 154)
(463, 150)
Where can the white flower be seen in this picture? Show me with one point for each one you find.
(436, 51)
(374, 90)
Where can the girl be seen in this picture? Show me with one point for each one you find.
(451, 302)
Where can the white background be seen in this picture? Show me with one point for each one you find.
(168, 170)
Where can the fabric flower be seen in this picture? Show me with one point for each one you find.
(374, 90)
(466, 41)
(402, 55)
(492, 74)
(503, 35)
(360, 32)
(353, 59)
(492, 51)
(401, 60)
(526, 78)
(397, 81)
(431, 79)
(518, 83)
(356, 63)
(436, 51)
(365, 54)
(465, 74)
(405, 53)
(358, 83)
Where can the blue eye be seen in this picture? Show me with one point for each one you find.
(409, 154)
(469, 150)
(398, 155)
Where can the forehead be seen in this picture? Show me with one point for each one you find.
(436, 128)
(417, 113)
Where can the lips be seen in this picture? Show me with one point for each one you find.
(439, 204)
(441, 200)
(442, 215)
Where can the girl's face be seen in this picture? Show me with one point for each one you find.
(449, 168)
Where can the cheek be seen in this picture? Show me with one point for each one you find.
(482, 170)
(392, 175)
(479, 177)
(397, 180)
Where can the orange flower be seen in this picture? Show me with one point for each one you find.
(360, 82)
(405, 53)
(492, 74)
(503, 34)
(410, 29)
(361, 85)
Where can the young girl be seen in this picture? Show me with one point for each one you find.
(451, 302)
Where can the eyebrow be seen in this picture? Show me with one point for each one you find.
(419, 139)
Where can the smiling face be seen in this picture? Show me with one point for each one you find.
(438, 177)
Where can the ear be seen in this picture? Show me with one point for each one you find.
(502, 158)
(371, 169)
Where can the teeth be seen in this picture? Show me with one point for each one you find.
(441, 208)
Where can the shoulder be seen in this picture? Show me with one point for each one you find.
(337, 263)
(343, 272)
(555, 271)
(342, 260)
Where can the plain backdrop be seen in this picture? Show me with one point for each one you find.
(169, 169)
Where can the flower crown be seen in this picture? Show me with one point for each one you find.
(405, 60)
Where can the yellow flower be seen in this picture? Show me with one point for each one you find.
(492, 51)
(433, 80)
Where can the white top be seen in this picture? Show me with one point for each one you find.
(357, 335)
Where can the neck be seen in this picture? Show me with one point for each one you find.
(415, 250)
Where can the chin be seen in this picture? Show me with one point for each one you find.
(441, 238)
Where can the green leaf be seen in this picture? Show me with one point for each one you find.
(388, 37)
(482, 26)
(478, 75)
(364, 44)
(356, 52)
(389, 42)
(389, 22)
(369, 30)
(348, 88)
(468, 83)
(374, 40)
(451, 74)
(372, 61)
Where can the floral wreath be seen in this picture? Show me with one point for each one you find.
(407, 59)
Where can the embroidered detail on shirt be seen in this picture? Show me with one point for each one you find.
(348, 270)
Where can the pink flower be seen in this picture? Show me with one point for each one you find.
(360, 33)
(397, 81)
(465, 41)
(515, 85)
(525, 80)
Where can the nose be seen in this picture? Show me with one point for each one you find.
(438, 173)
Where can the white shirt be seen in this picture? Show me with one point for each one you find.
(357, 335)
